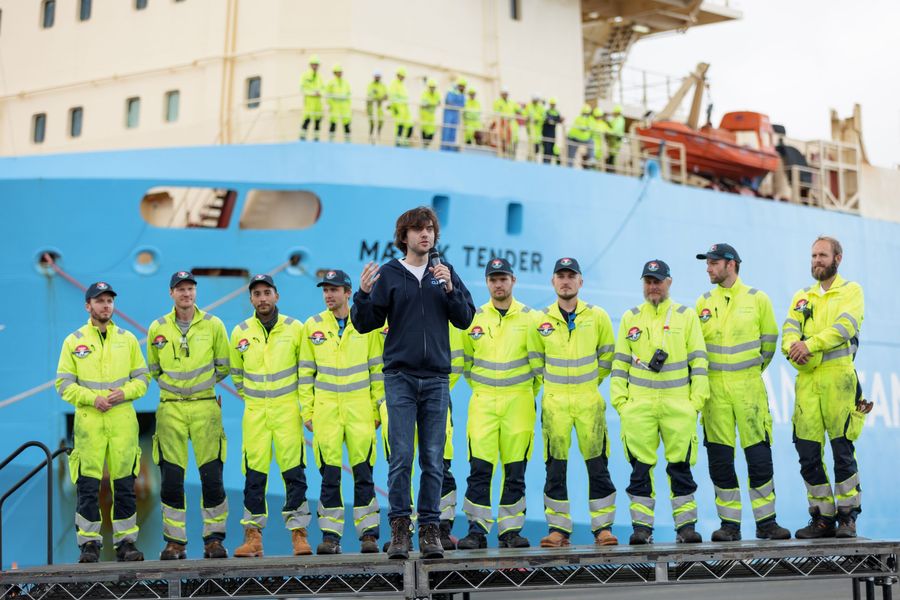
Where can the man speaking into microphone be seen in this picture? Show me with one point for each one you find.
(418, 296)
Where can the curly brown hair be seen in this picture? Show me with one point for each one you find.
(416, 218)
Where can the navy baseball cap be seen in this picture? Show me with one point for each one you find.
(567, 264)
(262, 278)
(656, 269)
(335, 277)
(180, 276)
(95, 289)
(720, 251)
(498, 265)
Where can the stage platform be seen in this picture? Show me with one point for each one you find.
(869, 563)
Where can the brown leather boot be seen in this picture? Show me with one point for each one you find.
(605, 537)
(554, 539)
(252, 546)
(173, 551)
(214, 549)
(299, 542)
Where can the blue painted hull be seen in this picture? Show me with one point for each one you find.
(86, 208)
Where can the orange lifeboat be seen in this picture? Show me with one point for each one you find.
(740, 148)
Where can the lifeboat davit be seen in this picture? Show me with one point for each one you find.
(740, 148)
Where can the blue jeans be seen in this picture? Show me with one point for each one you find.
(411, 402)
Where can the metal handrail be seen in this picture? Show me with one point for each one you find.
(48, 462)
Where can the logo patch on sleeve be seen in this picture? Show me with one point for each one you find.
(243, 345)
(317, 338)
(546, 329)
(705, 315)
(634, 334)
(81, 351)
(160, 341)
(476, 333)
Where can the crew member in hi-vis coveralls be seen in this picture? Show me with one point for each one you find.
(101, 372)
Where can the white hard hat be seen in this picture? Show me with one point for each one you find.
(376, 73)
(535, 96)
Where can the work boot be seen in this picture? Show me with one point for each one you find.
(605, 537)
(687, 535)
(819, 527)
(400, 538)
(728, 532)
(430, 541)
(555, 539)
(641, 536)
(846, 525)
(126, 552)
(772, 531)
(368, 544)
(329, 545)
(300, 543)
(448, 542)
(214, 549)
(512, 539)
(473, 541)
(173, 551)
(252, 545)
(90, 553)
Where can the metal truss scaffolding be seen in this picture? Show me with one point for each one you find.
(869, 561)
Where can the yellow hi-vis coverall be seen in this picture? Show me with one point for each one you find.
(187, 366)
(501, 413)
(264, 368)
(448, 488)
(574, 355)
(660, 405)
(398, 102)
(741, 334)
(312, 86)
(91, 365)
(828, 322)
(340, 387)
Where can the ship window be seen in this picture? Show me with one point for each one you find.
(38, 128)
(132, 112)
(515, 10)
(441, 206)
(280, 209)
(514, 218)
(48, 13)
(173, 98)
(140, 4)
(84, 10)
(254, 91)
(76, 118)
(188, 207)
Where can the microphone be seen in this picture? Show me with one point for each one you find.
(434, 259)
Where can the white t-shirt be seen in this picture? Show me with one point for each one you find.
(418, 272)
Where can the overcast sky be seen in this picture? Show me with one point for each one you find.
(794, 60)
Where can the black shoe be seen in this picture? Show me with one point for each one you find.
(688, 535)
(846, 525)
(641, 535)
(90, 553)
(430, 541)
(400, 538)
(126, 552)
(728, 532)
(447, 542)
(329, 545)
(368, 544)
(819, 527)
(772, 531)
(512, 539)
(473, 541)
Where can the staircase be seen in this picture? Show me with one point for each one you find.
(606, 60)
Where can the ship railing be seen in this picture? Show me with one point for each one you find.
(280, 119)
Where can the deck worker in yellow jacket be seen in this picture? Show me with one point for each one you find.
(312, 87)
(398, 101)
(614, 135)
(579, 136)
(505, 111)
(534, 115)
(820, 337)
(471, 117)
(599, 130)
(573, 353)
(101, 371)
(337, 91)
(187, 351)
(376, 95)
(448, 501)
(659, 385)
(265, 351)
(741, 335)
(428, 105)
(501, 409)
(340, 386)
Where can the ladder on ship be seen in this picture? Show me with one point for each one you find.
(607, 60)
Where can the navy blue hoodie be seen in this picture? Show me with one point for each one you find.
(418, 338)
